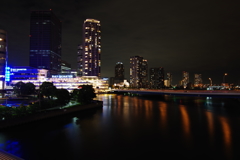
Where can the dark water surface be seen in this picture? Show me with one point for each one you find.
(134, 127)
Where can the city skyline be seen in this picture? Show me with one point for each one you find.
(196, 37)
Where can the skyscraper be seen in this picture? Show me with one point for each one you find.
(119, 71)
(91, 59)
(3, 56)
(45, 41)
(185, 79)
(138, 72)
(156, 77)
(169, 79)
(80, 60)
(197, 80)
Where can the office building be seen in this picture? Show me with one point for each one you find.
(91, 55)
(185, 79)
(156, 78)
(119, 71)
(169, 80)
(138, 72)
(45, 41)
(198, 80)
(3, 56)
(65, 67)
(80, 60)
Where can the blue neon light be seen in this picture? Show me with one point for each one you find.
(7, 74)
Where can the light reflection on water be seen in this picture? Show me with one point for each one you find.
(189, 127)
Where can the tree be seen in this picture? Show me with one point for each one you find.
(21, 88)
(63, 96)
(84, 94)
(47, 89)
(30, 88)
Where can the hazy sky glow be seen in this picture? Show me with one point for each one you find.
(195, 36)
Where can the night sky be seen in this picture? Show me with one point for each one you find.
(194, 36)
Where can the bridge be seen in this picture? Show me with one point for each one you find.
(195, 93)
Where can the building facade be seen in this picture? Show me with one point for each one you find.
(80, 60)
(198, 80)
(45, 41)
(185, 79)
(169, 79)
(91, 55)
(156, 78)
(119, 71)
(138, 72)
(3, 57)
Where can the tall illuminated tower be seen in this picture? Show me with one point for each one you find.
(45, 41)
(3, 56)
(119, 71)
(138, 72)
(91, 56)
(156, 77)
(185, 78)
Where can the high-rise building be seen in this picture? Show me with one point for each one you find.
(119, 71)
(169, 79)
(185, 79)
(156, 77)
(91, 59)
(80, 60)
(3, 56)
(45, 41)
(138, 72)
(198, 80)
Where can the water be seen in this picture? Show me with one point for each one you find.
(134, 127)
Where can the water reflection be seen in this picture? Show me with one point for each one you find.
(226, 130)
(163, 114)
(185, 121)
(137, 126)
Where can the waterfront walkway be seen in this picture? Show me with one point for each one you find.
(197, 93)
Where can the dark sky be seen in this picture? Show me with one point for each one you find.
(194, 36)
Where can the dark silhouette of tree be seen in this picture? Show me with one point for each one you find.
(47, 89)
(21, 88)
(63, 96)
(84, 94)
(30, 88)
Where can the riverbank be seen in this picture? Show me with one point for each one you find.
(48, 114)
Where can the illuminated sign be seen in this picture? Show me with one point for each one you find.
(62, 76)
(7, 74)
(18, 69)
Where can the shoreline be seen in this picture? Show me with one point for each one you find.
(48, 114)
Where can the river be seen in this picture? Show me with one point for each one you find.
(164, 127)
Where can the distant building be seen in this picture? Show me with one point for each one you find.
(198, 80)
(65, 67)
(45, 41)
(156, 78)
(90, 58)
(138, 72)
(185, 79)
(21, 73)
(119, 71)
(80, 60)
(3, 57)
(169, 80)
